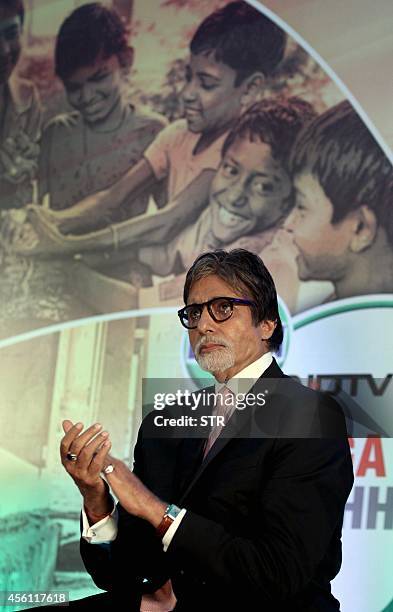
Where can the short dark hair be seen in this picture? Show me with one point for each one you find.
(241, 37)
(339, 150)
(274, 121)
(87, 32)
(16, 6)
(246, 273)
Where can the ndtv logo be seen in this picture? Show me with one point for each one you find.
(347, 382)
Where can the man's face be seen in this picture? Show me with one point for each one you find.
(323, 247)
(10, 44)
(250, 190)
(210, 97)
(95, 90)
(227, 346)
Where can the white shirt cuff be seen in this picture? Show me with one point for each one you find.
(103, 531)
(167, 539)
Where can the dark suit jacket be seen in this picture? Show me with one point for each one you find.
(264, 510)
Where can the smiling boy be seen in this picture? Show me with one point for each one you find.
(232, 52)
(251, 192)
(342, 223)
(91, 147)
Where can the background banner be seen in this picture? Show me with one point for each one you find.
(131, 141)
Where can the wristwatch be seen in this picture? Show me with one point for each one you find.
(170, 514)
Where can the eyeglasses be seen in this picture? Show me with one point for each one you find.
(220, 309)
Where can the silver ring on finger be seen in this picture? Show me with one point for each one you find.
(72, 456)
(109, 469)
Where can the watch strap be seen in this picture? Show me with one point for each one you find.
(170, 514)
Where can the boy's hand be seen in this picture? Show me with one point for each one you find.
(47, 216)
(40, 236)
(18, 157)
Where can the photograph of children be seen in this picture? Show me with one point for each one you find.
(134, 136)
(232, 52)
(250, 195)
(126, 200)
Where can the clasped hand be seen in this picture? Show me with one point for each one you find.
(91, 448)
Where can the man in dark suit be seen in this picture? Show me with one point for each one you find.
(248, 517)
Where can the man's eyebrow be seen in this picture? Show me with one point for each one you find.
(216, 297)
(195, 303)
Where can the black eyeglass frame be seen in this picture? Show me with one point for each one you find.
(232, 301)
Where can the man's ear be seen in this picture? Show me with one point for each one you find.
(252, 89)
(267, 328)
(366, 229)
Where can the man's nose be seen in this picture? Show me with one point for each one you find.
(206, 323)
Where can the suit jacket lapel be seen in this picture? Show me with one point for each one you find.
(191, 452)
(191, 456)
(236, 423)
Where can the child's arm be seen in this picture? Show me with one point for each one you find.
(85, 213)
(144, 230)
(164, 225)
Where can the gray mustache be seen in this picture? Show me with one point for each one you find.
(211, 340)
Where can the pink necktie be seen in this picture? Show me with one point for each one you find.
(224, 407)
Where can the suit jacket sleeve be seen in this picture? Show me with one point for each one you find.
(298, 509)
